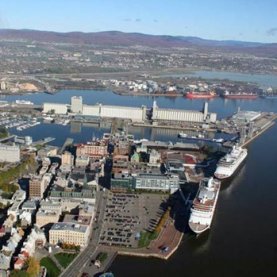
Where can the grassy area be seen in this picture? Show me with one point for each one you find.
(6, 177)
(102, 256)
(65, 258)
(146, 237)
(52, 269)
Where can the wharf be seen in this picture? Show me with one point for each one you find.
(173, 146)
(7, 138)
(68, 142)
(43, 141)
(266, 126)
(173, 127)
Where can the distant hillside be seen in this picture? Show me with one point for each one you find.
(115, 38)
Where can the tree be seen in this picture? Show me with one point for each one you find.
(33, 267)
(19, 273)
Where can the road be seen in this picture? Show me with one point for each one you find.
(77, 266)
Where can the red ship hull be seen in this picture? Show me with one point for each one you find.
(200, 95)
(241, 96)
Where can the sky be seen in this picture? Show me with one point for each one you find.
(246, 20)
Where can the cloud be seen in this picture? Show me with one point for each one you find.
(138, 20)
(271, 31)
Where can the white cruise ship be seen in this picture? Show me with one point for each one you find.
(204, 204)
(230, 162)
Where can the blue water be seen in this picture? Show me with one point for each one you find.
(224, 107)
(263, 80)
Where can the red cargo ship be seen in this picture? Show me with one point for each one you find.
(200, 95)
(240, 95)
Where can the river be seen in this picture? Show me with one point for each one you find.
(242, 241)
(263, 80)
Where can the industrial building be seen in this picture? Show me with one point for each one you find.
(55, 108)
(132, 113)
(91, 110)
(77, 104)
(161, 114)
(245, 116)
(9, 153)
(135, 114)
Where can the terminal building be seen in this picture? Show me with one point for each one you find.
(157, 182)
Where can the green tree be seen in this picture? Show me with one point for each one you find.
(33, 267)
(19, 273)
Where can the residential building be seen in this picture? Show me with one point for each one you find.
(82, 161)
(17, 199)
(9, 153)
(154, 157)
(38, 184)
(67, 158)
(49, 212)
(93, 149)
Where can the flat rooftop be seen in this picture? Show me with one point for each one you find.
(61, 226)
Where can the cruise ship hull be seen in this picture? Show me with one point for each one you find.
(226, 174)
(198, 228)
(201, 218)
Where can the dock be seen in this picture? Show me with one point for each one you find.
(7, 138)
(43, 141)
(173, 146)
(68, 142)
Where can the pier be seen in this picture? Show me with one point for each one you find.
(68, 142)
(43, 141)
(7, 138)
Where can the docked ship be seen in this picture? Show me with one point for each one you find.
(183, 135)
(230, 162)
(240, 95)
(203, 206)
(200, 95)
(24, 102)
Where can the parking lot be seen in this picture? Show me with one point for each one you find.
(126, 215)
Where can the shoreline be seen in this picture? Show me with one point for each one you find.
(169, 234)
